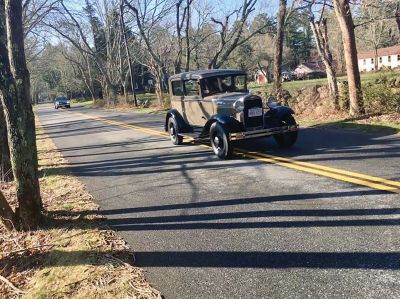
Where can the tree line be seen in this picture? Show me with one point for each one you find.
(107, 48)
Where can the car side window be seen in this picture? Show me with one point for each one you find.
(192, 88)
(226, 84)
(177, 89)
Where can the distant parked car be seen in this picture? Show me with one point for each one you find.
(287, 76)
(216, 105)
(62, 102)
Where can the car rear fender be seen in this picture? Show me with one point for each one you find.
(183, 127)
(228, 122)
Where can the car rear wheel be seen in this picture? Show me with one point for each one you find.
(173, 132)
(287, 139)
(220, 143)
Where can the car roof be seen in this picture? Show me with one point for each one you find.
(200, 74)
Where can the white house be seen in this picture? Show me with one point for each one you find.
(387, 57)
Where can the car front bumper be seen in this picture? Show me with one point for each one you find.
(262, 132)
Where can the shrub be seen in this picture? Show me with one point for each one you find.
(380, 98)
(344, 98)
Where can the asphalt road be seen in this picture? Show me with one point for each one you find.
(241, 228)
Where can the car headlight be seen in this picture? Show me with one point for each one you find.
(57, 103)
(271, 102)
(68, 102)
(238, 106)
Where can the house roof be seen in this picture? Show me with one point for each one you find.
(311, 66)
(200, 74)
(395, 50)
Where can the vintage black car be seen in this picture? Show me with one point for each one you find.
(216, 105)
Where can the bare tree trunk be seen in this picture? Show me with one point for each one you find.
(7, 216)
(376, 66)
(158, 84)
(279, 46)
(5, 161)
(90, 84)
(110, 91)
(122, 74)
(320, 32)
(333, 85)
(128, 55)
(187, 37)
(179, 24)
(343, 14)
(15, 97)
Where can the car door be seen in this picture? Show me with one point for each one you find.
(192, 103)
(177, 96)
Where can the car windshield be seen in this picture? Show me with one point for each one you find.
(61, 99)
(223, 84)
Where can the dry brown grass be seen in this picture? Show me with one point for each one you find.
(74, 254)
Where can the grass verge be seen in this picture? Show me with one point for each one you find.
(386, 124)
(294, 86)
(74, 254)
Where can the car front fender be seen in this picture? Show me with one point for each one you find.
(281, 111)
(274, 116)
(228, 122)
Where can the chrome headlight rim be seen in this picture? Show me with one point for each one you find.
(238, 106)
(271, 102)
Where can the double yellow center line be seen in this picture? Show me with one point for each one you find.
(326, 171)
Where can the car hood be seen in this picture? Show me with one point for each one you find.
(229, 96)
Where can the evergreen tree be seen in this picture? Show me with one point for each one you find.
(298, 37)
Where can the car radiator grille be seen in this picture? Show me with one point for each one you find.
(256, 122)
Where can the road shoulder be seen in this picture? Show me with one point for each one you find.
(74, 253)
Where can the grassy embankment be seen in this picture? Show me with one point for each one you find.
(74, 254)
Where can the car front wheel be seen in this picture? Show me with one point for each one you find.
(220, 141)
(173, 132)
(287, 139)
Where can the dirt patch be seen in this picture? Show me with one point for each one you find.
(73, 254)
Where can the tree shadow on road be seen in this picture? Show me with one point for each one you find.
(220, 259)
